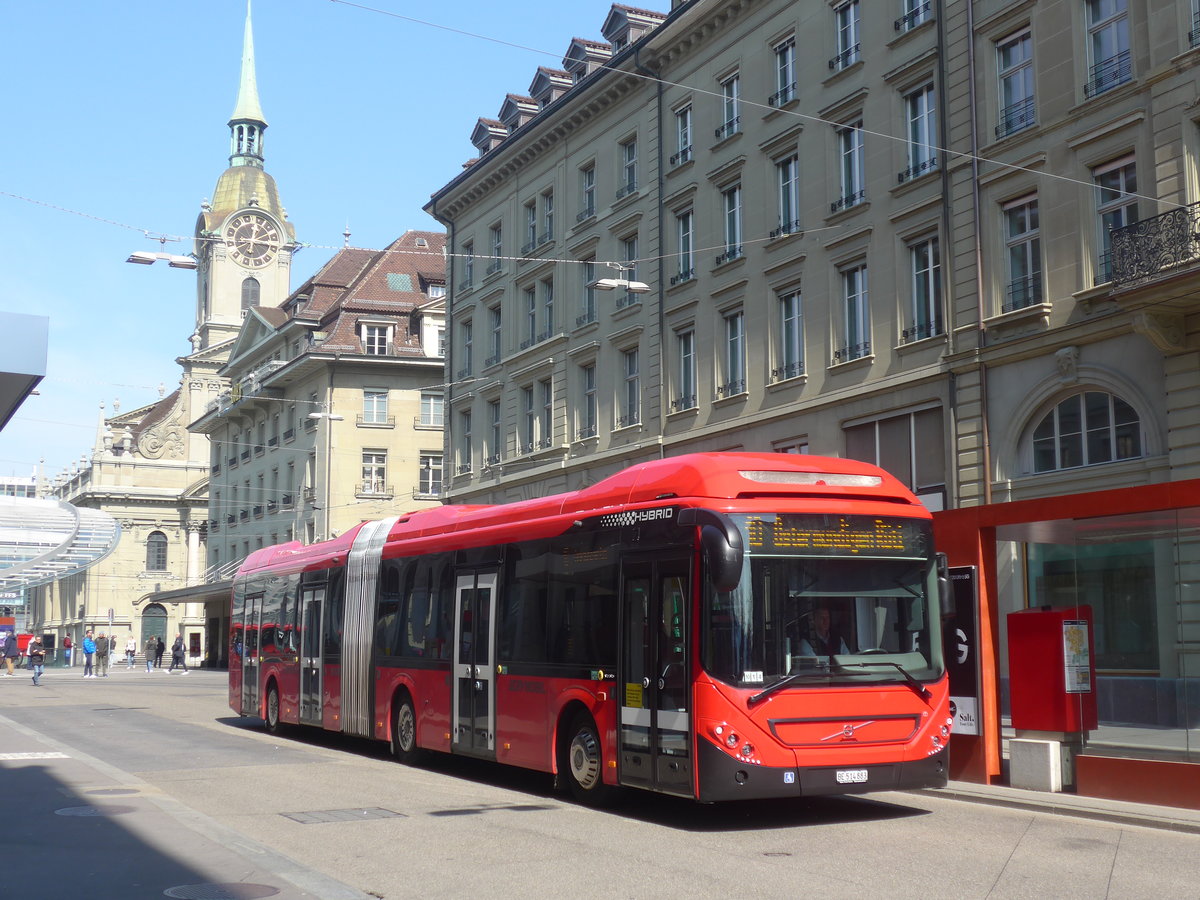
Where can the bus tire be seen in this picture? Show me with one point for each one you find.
(404, 732)
(274, 726)
(582, 762)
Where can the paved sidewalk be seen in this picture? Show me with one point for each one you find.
(1167, 817)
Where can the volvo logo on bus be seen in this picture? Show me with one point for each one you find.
(848, 731)
(637, 516)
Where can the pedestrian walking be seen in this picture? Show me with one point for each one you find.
(10, 651)
(68, 645)
(103, 645)
(89, 655)
(151, 649)
(159, 649)
(130, 650)
(177, 655)
(37, 658)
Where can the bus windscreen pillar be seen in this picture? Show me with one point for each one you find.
(1052, 694)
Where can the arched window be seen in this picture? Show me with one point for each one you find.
(156, 552)
(250, 292)
(1086, 429)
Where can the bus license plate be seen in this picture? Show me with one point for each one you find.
(851, 776)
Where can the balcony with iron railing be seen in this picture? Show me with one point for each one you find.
(1194, 34)
(852, 199)
(919, 332)
(626, 189)
(851, 352)
(684, 155)
(685, 274)
(1157, 247)
(494, 266)
(687, 401)
(1016, 117)
(845, 59)
(629, 420)
(374, 488)
(585, 318)
(732, 253)
(729, 128)
(586, 213)
(1108, 74)
(731, 388)
(917, 169)
(783, 96)
(785, 229)
(786, 371)
(584, 432)
(1023, 292)
(375, 421)
(914, 17)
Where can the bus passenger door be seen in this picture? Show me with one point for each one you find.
(252, 622)
(312, 599)
(655, 731)
(474, 681)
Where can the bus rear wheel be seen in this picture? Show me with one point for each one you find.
(272, 718)
(404, 732)
(583, 762)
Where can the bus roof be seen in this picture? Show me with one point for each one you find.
(693, 479)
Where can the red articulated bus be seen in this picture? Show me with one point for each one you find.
(715, 626)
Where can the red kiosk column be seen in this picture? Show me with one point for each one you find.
(1052, 694)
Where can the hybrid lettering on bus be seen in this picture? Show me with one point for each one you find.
(714, 626)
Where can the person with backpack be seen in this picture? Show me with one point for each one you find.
(37, 658)
(177, 655)
(151, 650)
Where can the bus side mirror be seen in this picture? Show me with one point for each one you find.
(721, 544)
(945, 593)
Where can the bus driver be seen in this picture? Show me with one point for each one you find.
(821, 641)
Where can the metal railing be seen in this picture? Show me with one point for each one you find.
(1107, 74)
(684, 155)
(1023, 292)
(1149, 247)
(845, 59)
(917, 169)
(786, 371)
(913, 18)
(783, 96)
(851, 352)
(852, 199)
(732, 388)
(728, 129)
(730, 255)
(1016, 116)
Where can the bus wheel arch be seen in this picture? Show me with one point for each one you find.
(581, 756)
(404, 728)
(271, 710)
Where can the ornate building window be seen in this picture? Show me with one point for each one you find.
(156, 552)
(1086, 429)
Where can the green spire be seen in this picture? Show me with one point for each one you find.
(248, 108)
(247, 122)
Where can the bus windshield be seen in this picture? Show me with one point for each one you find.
(827, 599)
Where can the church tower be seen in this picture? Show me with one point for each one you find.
(244, 242)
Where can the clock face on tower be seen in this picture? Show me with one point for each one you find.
(252, 240)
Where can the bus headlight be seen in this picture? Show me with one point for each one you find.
(747, 750)
(732, 739)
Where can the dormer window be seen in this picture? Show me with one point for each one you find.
(376, 338)
(436, 290)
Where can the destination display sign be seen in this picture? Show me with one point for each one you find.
(832, 535)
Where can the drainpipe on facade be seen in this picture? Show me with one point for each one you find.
(947, 225)
(977, 224)
(447, 365)
(658, 186)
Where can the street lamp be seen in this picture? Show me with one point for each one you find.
(611, 284)
(174, 260)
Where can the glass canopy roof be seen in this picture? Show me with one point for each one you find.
(44, 540)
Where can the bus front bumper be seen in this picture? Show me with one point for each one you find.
(725, 778)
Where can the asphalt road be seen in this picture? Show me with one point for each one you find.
(146, 785)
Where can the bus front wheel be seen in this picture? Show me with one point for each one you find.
(272, 717)
(404, 732)
(583, 762)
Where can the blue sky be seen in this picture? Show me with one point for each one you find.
(117, 119)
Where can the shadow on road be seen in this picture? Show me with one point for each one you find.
(658, 809)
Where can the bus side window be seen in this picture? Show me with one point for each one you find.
(387, 623)
(334, 598)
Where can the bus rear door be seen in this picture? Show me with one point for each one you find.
(312, 600)
(655, 731)
(251, 625)
(474, 681)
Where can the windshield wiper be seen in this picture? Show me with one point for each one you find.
(782, 683)
(908, 677)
